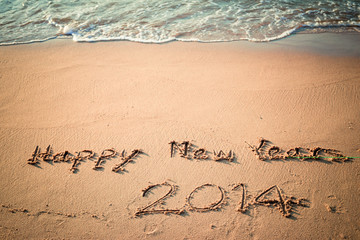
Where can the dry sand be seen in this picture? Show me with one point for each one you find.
(126, 95)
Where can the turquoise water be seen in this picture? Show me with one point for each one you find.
(159, 21)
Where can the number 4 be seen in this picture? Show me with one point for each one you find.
(283, 203)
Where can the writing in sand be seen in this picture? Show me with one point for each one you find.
(265, 150)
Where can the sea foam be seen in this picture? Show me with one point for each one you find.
(167, 20)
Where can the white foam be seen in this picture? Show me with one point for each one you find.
(27, 42)
(68, 30)
(142, 21)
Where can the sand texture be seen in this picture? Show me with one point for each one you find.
(171, 134)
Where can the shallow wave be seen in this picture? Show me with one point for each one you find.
(28, 42)
(162, 21)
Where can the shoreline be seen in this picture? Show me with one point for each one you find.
(300, 41)
(296, 92)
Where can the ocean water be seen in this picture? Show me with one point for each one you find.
(158, 21)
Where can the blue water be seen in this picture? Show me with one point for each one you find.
(159, 21)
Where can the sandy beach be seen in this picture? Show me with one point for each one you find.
(299, 92)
